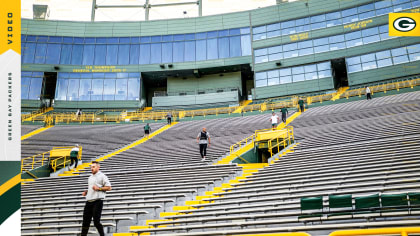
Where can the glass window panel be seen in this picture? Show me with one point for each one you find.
(61, 90)
(396, 2)
(100, 40)
(272, 73)
(73, 90)
(179, 37)
(156, 39)
(124, 40)
(288, 31)
(353, 35)
(336, 39)
(246, 30)
(110, 40)
(324, 66)
(41, 38)
(287, 24)
(306, 51)
(223, 33)
(276, 56)
(169, 38)
(133, 89)
(28, 53)
(189, 36)
(235, 46)
(384, 11)
(354, 43)
(273, 81)
(354, 68)
(201, 50)
(298, 70)
(134, 54)
(273, 34)
(384, 62)
(302, 21)
(286, 79)
(369, 65)
(350, 19)
(367, 15)
(371, 39)
(416, 3)
(246, 45)
(290, 54)
(167, 52)
(311, 76)
(234, 32)
(109, 90)
(32, 38)
(40, 53)
(260, 52)
(298, 78)
(65, 56)
(97, 89)
(289, 47)
(367, 57)
(302, 28)
(333, 15)
(123, 54)
(144, 57)
(310, 68)
(331, 23)
(212, 49)
(85, 89)
(317, 18)
(385, 36)
(77, 54)
(275, 49)
(365, 8)
(321, 41)
(261, 59)
(261, 83)
(88, 53)
(414, 56)
(145, 39)
(53, 53)
(202, 35)
(111, 54)
(260, 36)
(212, 34)
(383, 54)
(90, 40)
(178, 55)
(349, 12)
(337, 46)
(223, 47)
(402, 7)
(382, 4)
(273, 27)
(370, 31)
(189, 51)
(398, 51)
(260, 75)
(156, 53)
(413, 48)
(353, 60)
(285, 71)
(324, 74)
(305, 44)
(25, 84)
(400, 59)
(100, 54)
(121, 89)
(319, 25)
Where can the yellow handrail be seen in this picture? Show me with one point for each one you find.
(54, 164)
(285, 140)
(404, 231)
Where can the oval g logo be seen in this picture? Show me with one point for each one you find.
(404, 24)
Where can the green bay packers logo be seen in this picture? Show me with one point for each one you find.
(404, 24)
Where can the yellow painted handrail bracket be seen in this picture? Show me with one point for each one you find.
(404, 231)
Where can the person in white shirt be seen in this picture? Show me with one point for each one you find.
(98, 184)
(74, 153)
(368, 96)
(274, 120)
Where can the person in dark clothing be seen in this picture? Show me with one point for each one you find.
(284, 113)
(169, 117)
(301, 105)
(147, 130)
(74, 153)
(203, 139)
(98, 184)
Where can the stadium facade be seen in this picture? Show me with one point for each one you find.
(291, 48)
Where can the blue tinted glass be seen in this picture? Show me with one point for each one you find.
(382, 4)
(398, 51)
(297, 70)
(189, 36)
(97, 89)
(246, 30)
(201, 50)
(370, 31)
(384, 62)
(287, 24)
(134, 54)
(413, 48)
(353, 35)
(223, 33)
(100, 40)
(318, 18)
(302, 28)
(302, 21)
(333, 15)
(167, 38)
(31, 38)
(331, 23)
(319, 25)
(73, 90)
(61, 90)
(25, 84)
(261, 83)
(100, 54)
(212, 49)
(324, 66)
(384, 11)
(144, 54)
(273, 27)
(259, 29)
(29, 53)
(402, 7)
(109, 89)
(306, 51)
(67, 39)
(111, 54)
(321, 41)
(298, 77)
(178, 55)
(275, 49)
(305, 44)
(40, 53)
(78, 40)
(272, 34)
(90, 40)
(260, 75)
(366, 15)
(53, 54)
(353, 60)
(156, 39)
(416, 3)
(349, 12)
(156, 53)
(66, 51)
(112, 40)
(76, 55)
(290, 47)
(146, 39)
(133, 89)
(179, 37)
(166, 52)
(42, 39)
(260, 36)
(235, 46)
(371, 39)
(135, 40)
(55, 39)
(88, 52)
(234, 32)
(212, 34)
(367, 58)
(365, 8)
(84, 90)
(201, 35)
(23, 38)
(125, 40)
(383, 55)
(336, 39)
(337, 46)
(223, 47)
(189, 51)
(121, 89)
(123, 54)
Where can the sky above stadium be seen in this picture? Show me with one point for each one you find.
(80, 10)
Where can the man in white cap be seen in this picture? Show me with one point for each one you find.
(74, 153)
